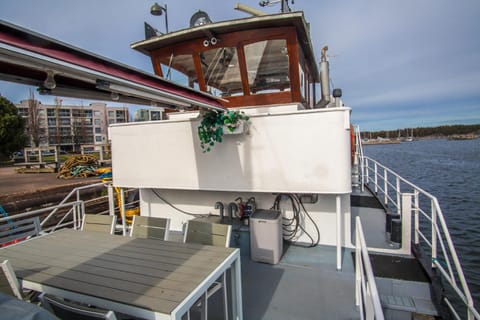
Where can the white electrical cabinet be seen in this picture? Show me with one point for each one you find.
(266, 239)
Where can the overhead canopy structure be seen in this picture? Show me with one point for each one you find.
(33, 59)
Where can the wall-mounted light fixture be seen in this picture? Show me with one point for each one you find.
(158, 10)
(49, 82)
(115, 96)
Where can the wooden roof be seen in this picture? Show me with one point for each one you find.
(295, 19)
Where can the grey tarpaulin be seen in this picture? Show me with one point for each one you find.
(13, 308)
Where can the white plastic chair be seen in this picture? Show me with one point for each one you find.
(150, 227)
(72, 311)
(8, 281)
(98, 223)
(213, 234)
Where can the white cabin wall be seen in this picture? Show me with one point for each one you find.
(306, 151)
(323, 212)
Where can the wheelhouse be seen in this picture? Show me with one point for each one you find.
(255, 61)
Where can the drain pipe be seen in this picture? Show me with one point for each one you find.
(324, 80)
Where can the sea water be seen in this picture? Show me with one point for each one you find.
(449, 170)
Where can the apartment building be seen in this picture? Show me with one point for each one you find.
(69, 126)
(150, 114)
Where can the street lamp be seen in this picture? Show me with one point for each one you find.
(157, 10)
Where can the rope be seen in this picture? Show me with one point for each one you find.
(80, 166)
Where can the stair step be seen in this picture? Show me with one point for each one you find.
(410, 304)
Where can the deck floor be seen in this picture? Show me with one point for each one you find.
(304, 285)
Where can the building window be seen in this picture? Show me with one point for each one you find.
(64, 121)
(64, 113)
(155, 115)
(111, 114)
(98, 138)
(97, 113)
(98, 122)
(50, 112)
(98, 130)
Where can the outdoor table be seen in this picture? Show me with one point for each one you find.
(147, 278)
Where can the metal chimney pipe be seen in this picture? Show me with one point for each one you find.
(324, 80)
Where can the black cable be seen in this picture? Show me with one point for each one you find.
(178, 209)
(291, 226)
(314, 224)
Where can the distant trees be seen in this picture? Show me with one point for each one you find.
(34, 126)
(441, 131)
(12, 128)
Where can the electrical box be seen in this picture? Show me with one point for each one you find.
(266, 236)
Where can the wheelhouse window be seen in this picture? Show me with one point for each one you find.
(267, 66)
(179, 68)
(221, 71)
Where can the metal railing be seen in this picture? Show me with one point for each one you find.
(75, 207)
(366, 293)
(429, 226)
(76, 192)
(55, 217)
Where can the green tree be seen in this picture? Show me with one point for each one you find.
(12, 128)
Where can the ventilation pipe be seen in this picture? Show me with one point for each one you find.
(249, 10)
(324, 80)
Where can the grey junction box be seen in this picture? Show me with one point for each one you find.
(266, 238)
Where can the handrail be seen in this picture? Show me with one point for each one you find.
(380, 177)
(74, 191)
(358, 156)
(75, 206)
(366, 293)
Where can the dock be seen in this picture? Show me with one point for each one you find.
(21, 191)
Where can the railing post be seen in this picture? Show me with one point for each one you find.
(111, 200)
(358, 278)
(367, 171)
(417, 218)
(406, 223)
(338, 206)
(385, 186)
(434, 233)
(398, 191)
(362, 170)
(74, 213)
(122, 211)
(82, 210)
(376, 177)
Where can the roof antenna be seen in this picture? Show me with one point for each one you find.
(285, 7)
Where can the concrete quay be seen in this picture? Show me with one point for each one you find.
(22, 191)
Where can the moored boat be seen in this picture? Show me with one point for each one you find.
(354, 244)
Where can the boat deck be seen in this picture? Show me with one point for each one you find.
(304, 285)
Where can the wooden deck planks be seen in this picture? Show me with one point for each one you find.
(151, 273)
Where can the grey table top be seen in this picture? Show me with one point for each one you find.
(147, 273)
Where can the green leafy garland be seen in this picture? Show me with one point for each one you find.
(213, 122)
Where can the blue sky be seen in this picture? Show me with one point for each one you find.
(408, 63)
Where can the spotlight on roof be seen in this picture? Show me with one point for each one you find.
(157, 9)
(199, 18)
